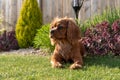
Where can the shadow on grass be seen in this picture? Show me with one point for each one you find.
(109, 61)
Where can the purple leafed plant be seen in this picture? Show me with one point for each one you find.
(103, 39)
(115, 37)
(8, 41)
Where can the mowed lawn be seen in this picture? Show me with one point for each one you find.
(36, 67)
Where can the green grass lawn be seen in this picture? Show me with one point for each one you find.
(34, 67)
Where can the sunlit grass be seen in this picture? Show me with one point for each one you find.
(34, 67)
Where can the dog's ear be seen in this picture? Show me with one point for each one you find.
(73, 32)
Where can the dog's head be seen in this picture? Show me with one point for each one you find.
(64, 29)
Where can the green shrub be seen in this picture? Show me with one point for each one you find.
(29, 21)
(109, 15)
(42, 40)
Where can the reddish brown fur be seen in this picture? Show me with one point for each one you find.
(65, 35)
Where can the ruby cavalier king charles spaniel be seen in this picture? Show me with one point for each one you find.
(65, 36)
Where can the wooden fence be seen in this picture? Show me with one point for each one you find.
(52, 8)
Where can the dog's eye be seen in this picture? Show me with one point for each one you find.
(60, 27)
(52, 27)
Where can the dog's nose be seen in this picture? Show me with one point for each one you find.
(51, 31)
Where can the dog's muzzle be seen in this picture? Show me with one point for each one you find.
(52, 33)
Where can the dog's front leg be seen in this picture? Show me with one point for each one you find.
(56, 61)
(77, 63)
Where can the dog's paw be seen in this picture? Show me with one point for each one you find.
(57, 65)
(75, 66)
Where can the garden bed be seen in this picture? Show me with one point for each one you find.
(26, 51)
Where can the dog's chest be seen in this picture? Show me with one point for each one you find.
(64, 49)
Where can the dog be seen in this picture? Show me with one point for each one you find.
(65, 36)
